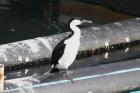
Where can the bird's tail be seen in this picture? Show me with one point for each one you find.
(54, 70)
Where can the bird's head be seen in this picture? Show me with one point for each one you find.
(77, 22)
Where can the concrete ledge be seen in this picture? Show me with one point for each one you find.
(119, 77)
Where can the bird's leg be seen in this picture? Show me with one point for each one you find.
(68, 77)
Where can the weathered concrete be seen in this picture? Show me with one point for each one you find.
(110, 78)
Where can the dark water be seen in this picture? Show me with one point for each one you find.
(26, 18)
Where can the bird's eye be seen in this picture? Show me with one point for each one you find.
(81, 19)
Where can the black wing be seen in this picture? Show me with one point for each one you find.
(57, 52)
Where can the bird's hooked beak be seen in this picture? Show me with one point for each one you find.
(86, 21)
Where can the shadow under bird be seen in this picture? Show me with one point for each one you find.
(66, 51)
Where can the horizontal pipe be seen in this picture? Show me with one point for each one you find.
(95, 41)
(119, 77)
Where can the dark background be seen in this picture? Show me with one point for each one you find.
(26, 19)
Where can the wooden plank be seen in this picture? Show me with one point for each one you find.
(1, 78)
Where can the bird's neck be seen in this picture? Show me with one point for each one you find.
(76, 30)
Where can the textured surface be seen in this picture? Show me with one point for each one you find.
(98, 79)
(92, 38)
(110, 78)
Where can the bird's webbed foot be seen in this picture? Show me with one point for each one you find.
(68, 76)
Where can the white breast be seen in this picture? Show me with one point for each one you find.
(70, 52)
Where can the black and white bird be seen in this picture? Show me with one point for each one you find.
(65, 52)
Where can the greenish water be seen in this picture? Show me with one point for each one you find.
(135, 92)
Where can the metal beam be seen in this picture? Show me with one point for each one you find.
(108, 43)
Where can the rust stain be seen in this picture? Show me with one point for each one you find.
(1, 76)
(91, 11)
